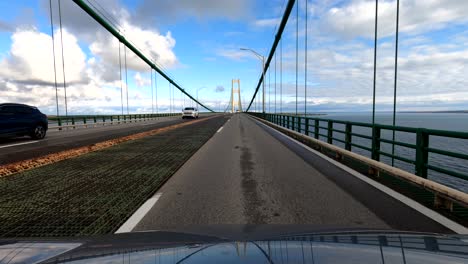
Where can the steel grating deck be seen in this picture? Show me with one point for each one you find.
(96, 192)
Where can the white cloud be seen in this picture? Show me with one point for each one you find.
(233, 53)
(267, 22)
(168, 10)
(30, 58)
(357, 17)
(141, 81)
(154, 45)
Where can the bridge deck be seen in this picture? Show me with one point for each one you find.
(17, 149)
(250, 174)
(246, 173)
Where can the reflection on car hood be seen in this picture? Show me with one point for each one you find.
(168, 247)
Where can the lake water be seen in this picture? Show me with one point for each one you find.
(442, 121)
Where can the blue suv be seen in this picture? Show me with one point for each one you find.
(22, 120)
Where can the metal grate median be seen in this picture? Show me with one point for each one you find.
(96, 192)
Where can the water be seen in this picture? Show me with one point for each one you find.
(442, 121)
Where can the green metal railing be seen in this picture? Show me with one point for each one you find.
(314, 126)
(93, 119)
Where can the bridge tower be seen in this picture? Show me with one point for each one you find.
(235, 101)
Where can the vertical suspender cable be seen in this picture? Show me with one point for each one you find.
(126, 75)
(152, 91)
(269, 91)
(63, 58)
(297, 47)
(170, 98)
(121, 83)
(375, 59)
(275, 82)
(305, 61)
(395, 80)
(156, 90)
(53, 54)
(281, 76)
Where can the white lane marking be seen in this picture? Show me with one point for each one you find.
(219, 130)
(18, 144)
(139, 214)
(452, 225)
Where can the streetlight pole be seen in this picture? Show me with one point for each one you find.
(262, 58)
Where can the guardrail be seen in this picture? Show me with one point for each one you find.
(316, 127)
(86, 120)
(449, 201)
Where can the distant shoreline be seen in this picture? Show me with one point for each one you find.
(436, 112)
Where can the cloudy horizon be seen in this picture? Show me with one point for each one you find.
(198, 44)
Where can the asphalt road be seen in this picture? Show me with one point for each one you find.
(247, 174)
(17, 149)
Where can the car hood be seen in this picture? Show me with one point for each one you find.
(172, 247)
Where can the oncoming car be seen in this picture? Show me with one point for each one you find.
(191, 112)
(22, 120)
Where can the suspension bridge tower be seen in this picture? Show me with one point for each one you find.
(235, 101)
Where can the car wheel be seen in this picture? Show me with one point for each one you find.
(39, 132)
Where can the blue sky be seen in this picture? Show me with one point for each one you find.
(197, 43)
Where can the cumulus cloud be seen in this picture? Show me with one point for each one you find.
(168, 10)
(356, 18)
(141, 81)
(156, 46)
(27, 62)
(92, 77)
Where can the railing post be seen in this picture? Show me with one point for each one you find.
(59, 122)
(111, 119)
(104, 119)
(94, 117)
(73, 122)
(422, 155)
(348, 136)
(306, 128)
(84, 120)
(298, 124)
(289, 122)
(316, 129)
(375, 143)
(330, 132)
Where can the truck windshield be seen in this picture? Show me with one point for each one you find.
(189, 108)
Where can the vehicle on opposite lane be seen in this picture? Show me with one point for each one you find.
(190, 112)
(22, 120)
